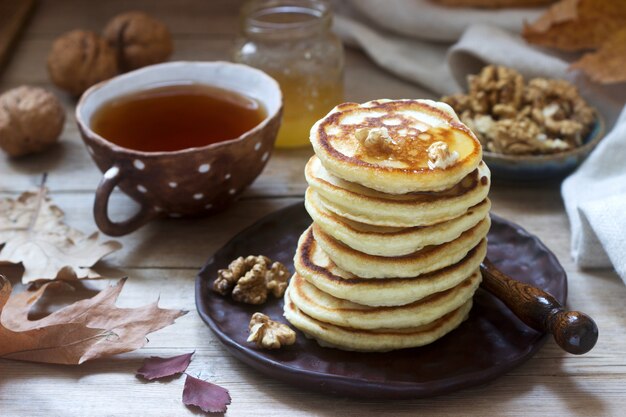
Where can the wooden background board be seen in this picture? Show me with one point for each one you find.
(13, 17)
(164, 257)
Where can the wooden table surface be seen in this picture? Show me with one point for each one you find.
(164, 257)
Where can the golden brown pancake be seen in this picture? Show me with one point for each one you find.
(428, 259)
(313, 264)
(326, 308)
(390, 241)
(414, 125)
(358, 203)
(378, 340)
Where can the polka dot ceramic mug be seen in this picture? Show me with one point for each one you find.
(188, 182)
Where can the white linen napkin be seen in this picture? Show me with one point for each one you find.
(595, 200)
(595, 196)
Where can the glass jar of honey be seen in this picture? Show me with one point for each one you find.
(291, 40)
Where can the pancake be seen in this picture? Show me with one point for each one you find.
(414, 125)
(390, 241)
(428, 259)
(314, 265)
(328, 309)
(355, 202)
(378, 340)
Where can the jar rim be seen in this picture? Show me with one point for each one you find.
(315, 16)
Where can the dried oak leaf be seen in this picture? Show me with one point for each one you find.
(574, 25)
(88, 329)
(210, 398)
(608, 64)
(155, 367)
(32, 233)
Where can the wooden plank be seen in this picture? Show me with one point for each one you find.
(13, 17)
(184, 18)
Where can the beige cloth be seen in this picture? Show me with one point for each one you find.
(595, 196)
(426, 20)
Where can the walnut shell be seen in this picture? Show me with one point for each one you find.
(79, 59)
(31, 120)
(138, 39)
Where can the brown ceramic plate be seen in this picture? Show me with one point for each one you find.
(490, 343)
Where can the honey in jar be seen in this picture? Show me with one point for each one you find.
(292, 42)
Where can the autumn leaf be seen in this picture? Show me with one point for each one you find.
(575, 25)
(88, 329)
(608, 64)
(155, 367)
(32, 233)
(210, 398)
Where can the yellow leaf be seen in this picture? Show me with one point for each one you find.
(32, 233)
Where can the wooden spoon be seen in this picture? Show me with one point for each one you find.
(573, 331)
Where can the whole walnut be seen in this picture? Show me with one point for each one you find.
(80, 59)
(138, 39)
(31, 120)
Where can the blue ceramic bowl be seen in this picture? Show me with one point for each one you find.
(543, 167)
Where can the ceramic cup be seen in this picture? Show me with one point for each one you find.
(188, 182)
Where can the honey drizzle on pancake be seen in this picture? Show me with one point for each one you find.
(411, 143)
(411, 149)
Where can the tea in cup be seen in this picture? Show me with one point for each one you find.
(180, 138)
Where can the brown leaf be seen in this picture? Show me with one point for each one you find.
(155, 367)
(32, 233)
(561, 12)
(608, 64)
(88, 329)
(574, 25)
(210, 398)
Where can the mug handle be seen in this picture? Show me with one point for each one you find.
(110, 180)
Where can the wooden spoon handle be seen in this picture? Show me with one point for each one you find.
(574, 331)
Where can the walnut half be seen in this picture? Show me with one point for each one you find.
(249, 280)
(375, 141)
(269, 334)
(439, 156)
(496, 88)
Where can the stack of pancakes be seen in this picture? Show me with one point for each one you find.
(392, 258)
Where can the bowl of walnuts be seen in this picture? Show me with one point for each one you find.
(535, 130)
